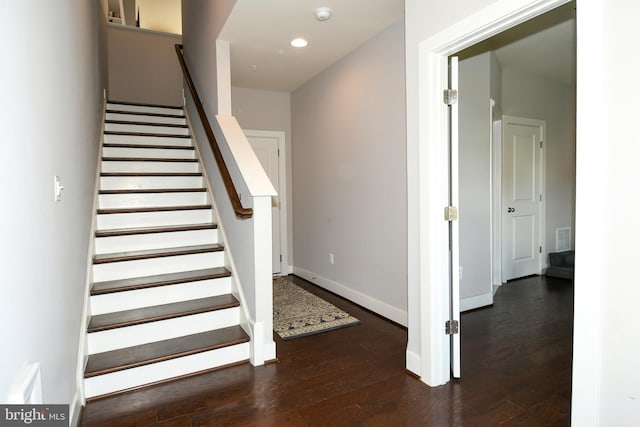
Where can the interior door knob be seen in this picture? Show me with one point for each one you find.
(511, 210)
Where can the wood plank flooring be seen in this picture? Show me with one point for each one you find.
(516, 367)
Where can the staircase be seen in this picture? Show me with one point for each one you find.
(161, 303)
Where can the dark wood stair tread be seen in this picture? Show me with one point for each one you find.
(120, 319)
(152, 174)
(153, 230)
(145, 354)
(126, 122)
(147, 159)
(154, 190)
(148, 146)
(156, 253)
(145, 113)
(168, 135)
(153, 209)
(142, 104)
(112, 286)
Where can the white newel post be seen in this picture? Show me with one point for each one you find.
(263, 346)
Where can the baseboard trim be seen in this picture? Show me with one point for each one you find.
(75, 410)
(413, 363)
(383, 309)
(476, 301)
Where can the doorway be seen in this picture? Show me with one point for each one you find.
(502, 91)
(433, 360)
(269, 147)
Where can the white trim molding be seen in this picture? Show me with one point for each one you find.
(383, 309)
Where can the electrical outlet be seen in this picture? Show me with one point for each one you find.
(331, 258)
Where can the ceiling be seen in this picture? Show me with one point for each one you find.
(259, 33)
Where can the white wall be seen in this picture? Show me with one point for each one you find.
(607, 330)
(475, 181)
(50, 110)
(528, 95)
(268, 110)
(349, 182)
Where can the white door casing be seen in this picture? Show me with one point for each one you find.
(522, 196)
(269, 148)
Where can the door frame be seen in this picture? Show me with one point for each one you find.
(497, 191)
(282, 190)
(431, 272)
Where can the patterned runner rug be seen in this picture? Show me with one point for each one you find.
(298, 313)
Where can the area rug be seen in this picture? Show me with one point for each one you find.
(298, 313)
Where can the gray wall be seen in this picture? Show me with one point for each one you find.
(143, 66)
(267, 110)
(349, 175)
(475, 176)
(51, 116)
(528, 95)
(202, 21)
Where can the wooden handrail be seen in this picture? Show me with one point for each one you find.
(241, 212)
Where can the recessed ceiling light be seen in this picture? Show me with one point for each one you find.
(299, 43)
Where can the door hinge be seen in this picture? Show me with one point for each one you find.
(280, 257)
(450, 96)
(540, 144)
(451, 327)
(540, 249)
(540, 197)
(450, 213)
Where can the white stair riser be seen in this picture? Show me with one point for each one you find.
(149, 153)
(133, 166)
(114, 339)
(138, 242)
(139, 182)
(165, 130)
(153, 266)
(149, 140)
(154, 219)
(128, 300)
(147, 374)
(151, 200)
(144, 109)
(146, 119)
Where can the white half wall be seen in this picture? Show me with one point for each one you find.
(349, 172)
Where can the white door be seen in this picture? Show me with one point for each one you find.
(522, 177)
(453, 225)
(266, 149)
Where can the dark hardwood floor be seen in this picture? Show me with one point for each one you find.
(516, 367)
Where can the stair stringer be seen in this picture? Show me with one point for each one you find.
(83, 347)
(259, 353)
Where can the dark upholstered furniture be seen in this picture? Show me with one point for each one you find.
(561, 265)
